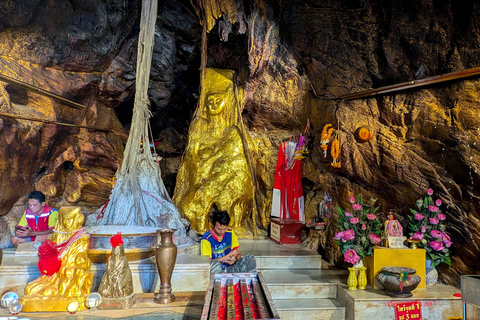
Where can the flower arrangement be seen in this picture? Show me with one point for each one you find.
(427, 225)
(360, 230)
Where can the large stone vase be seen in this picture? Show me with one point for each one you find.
(393, 280)
(431, 275)
(166, 255)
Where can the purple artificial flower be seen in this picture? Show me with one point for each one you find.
(437, 245)
(339, 235)
(419, 216)
(438, 202)
(441, 216)
(436, 234)
(417, 236)
(430, 191)
(364, 227)
(351, 256)
(347, 214)
(357, 206)
(374, 238)
(433, 208)
(352, 199)
(371, 216)
(348, 235)
(353, 220)
(433, 220)
(423, 229)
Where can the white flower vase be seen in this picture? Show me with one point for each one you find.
(431, 275)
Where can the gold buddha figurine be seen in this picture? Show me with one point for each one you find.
(214, 169)
(73, 279)
(116, 286)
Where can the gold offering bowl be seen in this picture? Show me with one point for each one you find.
(413, 243)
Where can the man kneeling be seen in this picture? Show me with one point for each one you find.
(221, 244)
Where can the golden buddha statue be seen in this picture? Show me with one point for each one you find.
(214, 169)
(73, 279)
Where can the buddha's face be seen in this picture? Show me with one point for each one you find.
(71, 219)
(216, 103)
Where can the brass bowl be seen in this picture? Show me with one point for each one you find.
(139, 242)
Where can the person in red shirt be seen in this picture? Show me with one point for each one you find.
(37, 221)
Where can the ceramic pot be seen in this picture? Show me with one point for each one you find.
(393, 281)
(362, 278)
(166, 255)
(431, 275)
(352, 279)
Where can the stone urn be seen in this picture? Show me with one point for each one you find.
(398, 282)
(165, 255)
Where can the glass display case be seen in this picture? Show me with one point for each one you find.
(471, 296)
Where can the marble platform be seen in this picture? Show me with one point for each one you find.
(437, 302)
(191, 273)
(302, 285)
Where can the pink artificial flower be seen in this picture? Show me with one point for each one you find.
(430, 191)
(348, 235)
(339, 235)
(371, 216)
(347, 214)
(353, 220)
(433, 220)
(351, 256)
(433, 208)
(357, 206)
(364, 227)
(352, 199)
(436, 234)
(441, 216)
(374, 238)
(438, 203)
(419, 216)
(417, 236)
(437, 245)
(446, 240)
(423, 229)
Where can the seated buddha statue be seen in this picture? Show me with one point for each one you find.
(214, 170)
(72, 279)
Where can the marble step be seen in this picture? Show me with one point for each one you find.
(303, 283)
(312, 309)
(270, 255)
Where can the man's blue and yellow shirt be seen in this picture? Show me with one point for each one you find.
(211, 246)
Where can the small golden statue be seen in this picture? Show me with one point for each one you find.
(116, 286)
(214, 169)
(64, 265)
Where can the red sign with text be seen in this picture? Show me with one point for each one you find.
(408, 310)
